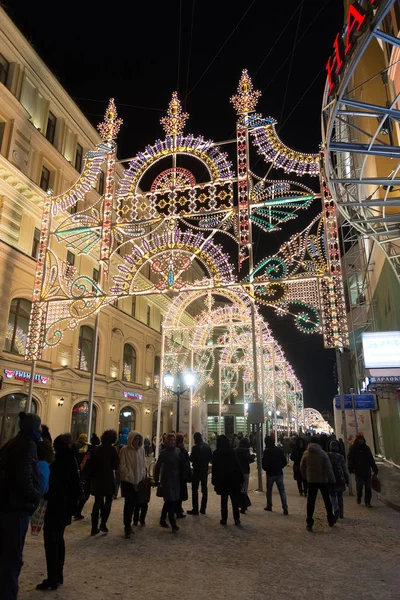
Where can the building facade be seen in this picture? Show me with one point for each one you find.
(43, 139)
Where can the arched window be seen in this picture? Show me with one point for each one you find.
(17, 327)
(129, 365)
(10, 407)
(85, 348)
(155, 423)
(157, 368)
(127, 418)
(79, 419)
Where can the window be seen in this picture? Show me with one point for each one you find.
(78, 157)
(85, 348)
(51, 127)
(127, 418)
(17, 327)
(70, 258)
(10, 407)
(45, 179)
(4, 65)
(101, 183)
(35, 243)
(129, 363)
(157, 369)
(80, 413)
(155, 413)
(133, 309)
(148, 315)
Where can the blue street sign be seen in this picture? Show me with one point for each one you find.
(361, 402)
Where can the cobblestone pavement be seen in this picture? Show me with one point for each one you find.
(270, 556)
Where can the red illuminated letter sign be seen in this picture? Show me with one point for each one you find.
(334, 63)
(355, 19)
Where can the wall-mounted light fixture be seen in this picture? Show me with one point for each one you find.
(171, 414)
(112, 407)
(61, 401)
(147, 411)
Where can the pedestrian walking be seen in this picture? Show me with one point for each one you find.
(123, 437)
(361, 463)
(186, 476)
(200, 457)
(296, 456)
(20, 493)
(46, 434)
(132, 470)
(142, 501)
(167, 475)
(227, 478)
(146, 445)
(273, 463)
(287, 448)
(341, 474)
(45, 454)
(94, 440)
(81, 447)
(62, 498)
(245, 459)
(317, 470)
(103, 462)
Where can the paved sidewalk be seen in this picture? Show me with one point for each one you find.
(270, 556)
(389, 476)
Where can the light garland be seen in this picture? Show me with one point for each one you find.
(246, 99)
(175, 120)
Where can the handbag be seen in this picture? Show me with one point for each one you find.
(37, 519)
(375, 483)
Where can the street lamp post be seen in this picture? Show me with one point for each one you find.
(169, 382)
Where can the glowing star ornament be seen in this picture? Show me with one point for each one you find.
(175, 120)
(111, 125)
(247, 97)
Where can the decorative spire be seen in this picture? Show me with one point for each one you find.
(246, 98)
(110, 127)
(175, 120)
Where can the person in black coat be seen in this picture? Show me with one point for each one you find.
(227, 478)
(360, 462)
(168, 472)
(102, 464)
(245, 460)
(20, 493)
(62, 499)
(296, 456)
(273, 462)
(200, 458)
(186, 473)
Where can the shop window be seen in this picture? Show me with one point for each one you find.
(100, 188)
(10, 407)
(45, 179)
(51, 127)
(154, 429)
(4, 66)
(355, 289)
(78, 157)
(129, 363)
(157, 369)
(17, 327)
(127, 418)
(79, 420)
(35, 243)
(85, 348)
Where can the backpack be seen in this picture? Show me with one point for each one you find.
(337, 471)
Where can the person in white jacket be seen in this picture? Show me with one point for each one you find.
(132, 470)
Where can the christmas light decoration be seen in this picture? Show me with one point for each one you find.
(246, 99)
(175, 120)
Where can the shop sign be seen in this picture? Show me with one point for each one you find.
(133, 396)
(385, 379)
(24, 376)
(358, 19)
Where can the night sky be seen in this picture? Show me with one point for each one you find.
(141, 52)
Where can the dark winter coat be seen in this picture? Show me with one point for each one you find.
(360, 460)
(315, 465)
(245, 459)
(103, 462)
(64, 490)
(20, 488)
(200, 457)
(186, 473)
(168, 471)
(296, 456)
(227, 477)
(273, 461)
(339, 467)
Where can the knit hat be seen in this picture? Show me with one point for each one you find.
(83, 437)
(30, 422)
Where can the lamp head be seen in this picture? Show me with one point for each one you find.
(168, 379)
(189, 378)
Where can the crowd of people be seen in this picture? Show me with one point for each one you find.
(57, 478)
